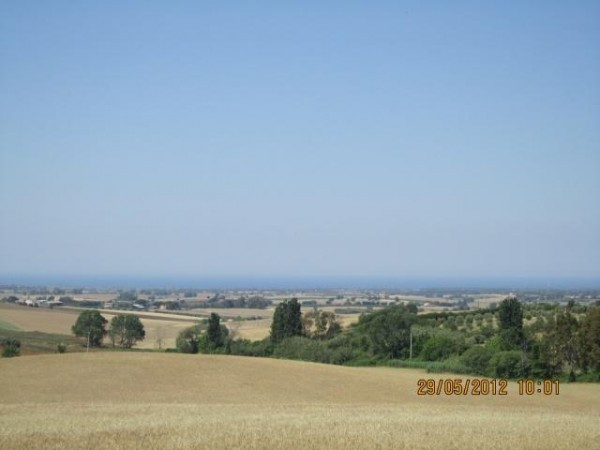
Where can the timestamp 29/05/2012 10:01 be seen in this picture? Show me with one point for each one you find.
(484, 386)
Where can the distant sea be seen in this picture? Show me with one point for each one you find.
(300, 283)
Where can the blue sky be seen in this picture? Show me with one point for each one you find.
(199, 139)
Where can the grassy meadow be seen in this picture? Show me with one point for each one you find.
(161, 400)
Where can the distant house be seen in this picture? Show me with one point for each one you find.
(138, 306)
(108, 305)
(54, 303)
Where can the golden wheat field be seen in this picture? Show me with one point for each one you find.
(160, 400)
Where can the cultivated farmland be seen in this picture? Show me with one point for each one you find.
(161, 329)
(158, 400)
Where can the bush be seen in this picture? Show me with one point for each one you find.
(477, 359)
(341, 355)
(508, 364)
(453, 364)
(61, 348)
(245, 347)
(345, 348)
(303, 348)
(12, 347)
(364, 360)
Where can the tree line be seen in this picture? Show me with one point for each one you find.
(562, 341)
(512, 340)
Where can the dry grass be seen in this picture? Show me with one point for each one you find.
(39, 319)
(235, 312)
(163, 315)
(254, 330)
(152, 401)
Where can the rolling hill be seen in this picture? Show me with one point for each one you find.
(161, 400)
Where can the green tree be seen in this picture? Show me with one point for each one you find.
(566, 332)
(451, 323)
(91, 326)
(547, 356)
(388, 331)
(510, 318)
(320, 324)
(126, 330)
(287, 320)
(441, 345)
(188, 340)
(215, 333)
(589, 341)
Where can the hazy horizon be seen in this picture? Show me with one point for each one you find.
(302, 283)
(337, 141)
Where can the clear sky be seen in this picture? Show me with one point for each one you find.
(331, 139)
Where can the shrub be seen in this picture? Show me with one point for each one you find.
(477, 359)
(302, 348)
(341, 355)
(12, 347)
(453, 364)
(364, 360)
(245, 347)
(508, 364)
(61, 348)
(343, 348)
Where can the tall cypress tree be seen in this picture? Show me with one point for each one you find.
(287, 320)
(510, 317)
(277, 325)
(293, 318)
(214, 333)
